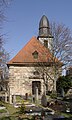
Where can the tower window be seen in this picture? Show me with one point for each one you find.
(35, 55)
(46, 43)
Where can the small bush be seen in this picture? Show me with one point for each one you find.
(22, 108)
(53, 95)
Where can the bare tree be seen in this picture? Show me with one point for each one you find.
(62, 43)
(3, 6)
(4, 56)
(61, 48)
(61, 55)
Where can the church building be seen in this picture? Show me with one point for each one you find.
(28, 69)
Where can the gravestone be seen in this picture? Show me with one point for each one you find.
(6, 97)
(62, 92)
(14, 99)
(36, 95)
(44, 100)
(26, 96)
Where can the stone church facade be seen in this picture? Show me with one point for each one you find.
(27, 68)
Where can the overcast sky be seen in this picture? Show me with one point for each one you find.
(23, 18)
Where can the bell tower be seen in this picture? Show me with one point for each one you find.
(44, 32)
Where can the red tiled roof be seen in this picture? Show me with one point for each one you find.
(25, 55)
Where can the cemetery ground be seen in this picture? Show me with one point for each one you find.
(17, 111)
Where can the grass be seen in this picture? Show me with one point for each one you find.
(8, 118)
(15, 112)
(67, 115)
(19, 99)
(3, 111)
(9, 107)
(15, 118)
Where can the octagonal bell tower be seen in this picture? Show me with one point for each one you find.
(45, 36)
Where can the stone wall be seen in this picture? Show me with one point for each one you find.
(20, 80)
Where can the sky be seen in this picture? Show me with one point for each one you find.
(23, 18)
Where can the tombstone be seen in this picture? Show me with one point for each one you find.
(33, 99)
(44, 100)
(6, 97)
(26, 96)
(14, 99)
(36, 95)
(10, 97)
(62, 92)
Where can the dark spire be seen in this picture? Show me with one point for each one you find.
(44, 27)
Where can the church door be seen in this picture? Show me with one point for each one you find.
(34, 85)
